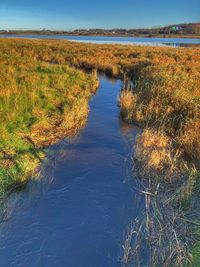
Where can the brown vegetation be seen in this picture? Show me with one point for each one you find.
(164, 99)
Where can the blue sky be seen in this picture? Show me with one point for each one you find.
(72, 14)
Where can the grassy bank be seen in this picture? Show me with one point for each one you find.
(40, 103)
(165, 101)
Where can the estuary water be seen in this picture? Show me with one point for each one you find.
(175, 42)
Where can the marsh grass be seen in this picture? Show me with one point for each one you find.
(165, 102)
(161, 234)
(40, 103)
(165, 99)
(168, 184)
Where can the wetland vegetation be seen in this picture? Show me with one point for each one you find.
(44, 95)
(40, 103)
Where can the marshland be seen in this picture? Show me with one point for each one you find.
(103, 142)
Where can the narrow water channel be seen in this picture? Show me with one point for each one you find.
(77, 213)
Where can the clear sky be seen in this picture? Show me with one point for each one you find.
(72, 14)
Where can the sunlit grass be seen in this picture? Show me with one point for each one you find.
(40, 103)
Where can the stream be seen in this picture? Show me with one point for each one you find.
(77, 213)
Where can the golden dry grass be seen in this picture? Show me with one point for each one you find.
(190, 140)
(156, 156)
(153, 148)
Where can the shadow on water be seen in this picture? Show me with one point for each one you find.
(77, 213)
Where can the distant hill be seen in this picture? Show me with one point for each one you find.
(182, 30)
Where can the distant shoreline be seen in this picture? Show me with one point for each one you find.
(181, 30)
(52, 33)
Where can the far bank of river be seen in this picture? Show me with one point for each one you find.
(146, 41)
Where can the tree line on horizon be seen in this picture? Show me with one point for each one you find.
(183, 29)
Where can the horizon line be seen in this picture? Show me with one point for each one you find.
(97, 28)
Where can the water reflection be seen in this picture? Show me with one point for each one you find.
(179, 45)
